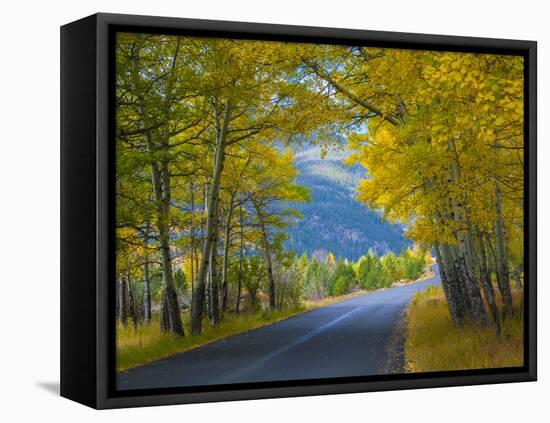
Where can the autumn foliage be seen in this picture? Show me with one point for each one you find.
(205, 136)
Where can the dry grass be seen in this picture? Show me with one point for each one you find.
(310, 305)
(435, 344)
(427, 273)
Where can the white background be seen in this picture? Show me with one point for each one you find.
(29, 209)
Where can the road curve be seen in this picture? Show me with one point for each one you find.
(348, 338)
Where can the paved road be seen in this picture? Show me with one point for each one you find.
(348, 338)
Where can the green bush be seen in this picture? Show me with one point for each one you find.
(343, 279)
(374, 272)
(340, 286)
(412, 263)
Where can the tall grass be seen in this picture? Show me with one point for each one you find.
(435, 344)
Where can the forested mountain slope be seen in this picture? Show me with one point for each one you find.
(334, 221)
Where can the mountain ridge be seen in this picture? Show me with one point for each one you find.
(334, 221)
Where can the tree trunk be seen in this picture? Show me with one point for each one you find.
(147, 314)
(123, 301)
(487, 286)
(503, 278)
(456, 284)
(132, 303)
(466, 271)
(516, 275)
(117, 297)
(476, 313)
(463, 256)
(173, 310)
(164, 315)
(160, 178)
(213, 199)
(208, 291)
(214, 292)
(161, 188)
(241, 248)
(267, 255)
(466, 274)
(226, 246)
(447, 281)
(450, 256)
(453, 287)
(192, 240)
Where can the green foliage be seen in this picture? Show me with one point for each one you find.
(343, 278)
(375, 272)
(317, 280)
(340, 286)
(371, 274)
(253, 277)
(181, 280)
(289, 279)
(329, 278)
(390, 266)
(378, 277)
(411, 264)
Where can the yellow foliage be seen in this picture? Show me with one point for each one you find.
(462, 133)
(435, 344)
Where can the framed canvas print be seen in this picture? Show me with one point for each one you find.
(255, 211)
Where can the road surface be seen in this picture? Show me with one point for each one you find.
(348, 338)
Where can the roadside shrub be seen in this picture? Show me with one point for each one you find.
(288, 288)
(412, 263)
(371, 273)
(343, 279)
(340, 286)
(392, 267)
(253, 278)
(318, 280)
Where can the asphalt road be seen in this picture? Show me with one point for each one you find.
(349, 338)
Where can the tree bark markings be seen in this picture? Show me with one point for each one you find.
(241, 250)
(503, 278)
(160, 179)
(123, 300)
(227, 243)
(213, 198)
(267, 255)
(214, 282)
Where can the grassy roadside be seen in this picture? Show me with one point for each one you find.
(434, 344)
(428, 273)
(147, 343)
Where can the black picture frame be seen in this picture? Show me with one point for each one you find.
(87, 205)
